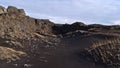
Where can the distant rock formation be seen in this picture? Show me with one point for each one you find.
(66, 28)
(12, 10)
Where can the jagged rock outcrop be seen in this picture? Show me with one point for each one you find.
(16, 24)
(2, 10)
(14, 10)
(16, 31)
(66, 28)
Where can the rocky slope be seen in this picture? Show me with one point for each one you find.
(26, 42)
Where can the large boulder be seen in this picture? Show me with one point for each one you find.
(44, 26)
(21, 11)
(12, 9)
(78, 24)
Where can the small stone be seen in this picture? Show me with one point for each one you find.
(27, 65)
(47, 46)
(15, 65)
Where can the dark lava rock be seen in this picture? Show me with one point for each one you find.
(66, 28)
(78, 24)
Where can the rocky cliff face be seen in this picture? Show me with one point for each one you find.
(11, 10)
(15, 23)
(17, 31)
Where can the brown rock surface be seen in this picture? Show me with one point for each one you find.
(2, 10)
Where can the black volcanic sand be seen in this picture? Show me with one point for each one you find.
(66, 55)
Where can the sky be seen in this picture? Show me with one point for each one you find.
(105, 12)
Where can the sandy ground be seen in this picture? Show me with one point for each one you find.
(67, 56)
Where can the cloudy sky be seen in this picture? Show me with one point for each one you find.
(69, 11)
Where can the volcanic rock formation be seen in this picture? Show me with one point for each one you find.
(40, 43)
